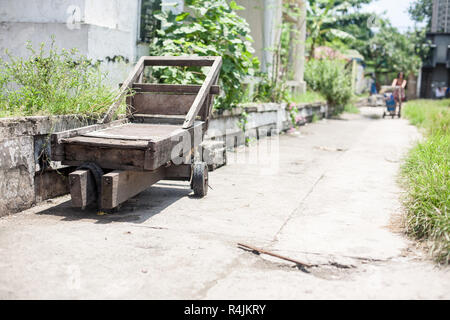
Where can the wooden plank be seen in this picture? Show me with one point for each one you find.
(181, 61)
(57, 148)
(110, 158)
(170, 104)
(82, 188)
(202, 94)
(172, 88)
(83, 130)
(105, 165)
(180, 172)
(117, 142)
(137, 131)
(162, 149)
(207, 108)
(138, 70)
(158, 119)
(119, 186)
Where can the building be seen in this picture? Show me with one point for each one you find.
(440, 21)
(436, 68)
(114, 31)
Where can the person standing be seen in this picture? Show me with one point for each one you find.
(399, 85)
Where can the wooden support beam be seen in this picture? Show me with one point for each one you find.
(203, 93)
(82, 188)
(133, 77)
(57, 148)
(179, 61)
(180, 172)
(172, 88)
(158, 118)
(119, 186)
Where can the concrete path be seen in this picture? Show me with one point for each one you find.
(333, 203)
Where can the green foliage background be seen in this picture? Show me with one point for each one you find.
(332, 79)
(207, 28)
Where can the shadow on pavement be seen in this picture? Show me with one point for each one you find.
(137, 210)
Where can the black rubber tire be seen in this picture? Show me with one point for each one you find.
(200, 179)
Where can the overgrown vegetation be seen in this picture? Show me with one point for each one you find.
(351, 108)
(52, 82)
(307, 97)
(207, 28)
(426, 173)
(332, 79)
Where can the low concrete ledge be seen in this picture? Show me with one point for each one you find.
(24, 177)
(40, 125)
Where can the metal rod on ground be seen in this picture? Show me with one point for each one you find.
(275, 255)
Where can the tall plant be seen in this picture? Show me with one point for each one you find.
(321, 16)
(53, 81)
(207, 28)
(332, 80)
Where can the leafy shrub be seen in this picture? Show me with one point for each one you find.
(270, 90)
(207, 28)
(332, 80)
(57, 82)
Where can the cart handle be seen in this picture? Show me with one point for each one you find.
(180, 61)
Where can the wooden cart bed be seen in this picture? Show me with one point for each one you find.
(129, 146)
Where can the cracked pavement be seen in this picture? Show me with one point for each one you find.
(332, 201)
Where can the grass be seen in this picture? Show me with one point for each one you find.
(351, 108)
(53, 82)
(426, 174)
(307, 97)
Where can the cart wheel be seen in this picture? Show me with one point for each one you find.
(200, 179)
(384, 115)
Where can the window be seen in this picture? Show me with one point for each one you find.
(148, 24)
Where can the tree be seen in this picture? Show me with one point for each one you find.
(207, 28)
(421, 11)
(390, 51)
(321, 16)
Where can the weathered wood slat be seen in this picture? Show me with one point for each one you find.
(170, 104)
(165, 149)
(118, 142)
(180, 172)
(172, 88)
(137, 131)
(119, 186)
(133, 77)
(107, 157)
(158, 119)
(82, 188)
(181, 61)
(202, 94)
(105, 165)
(57, 148)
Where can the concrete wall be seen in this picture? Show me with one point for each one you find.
(23, 142)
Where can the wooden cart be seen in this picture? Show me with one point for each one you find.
(116, 160)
